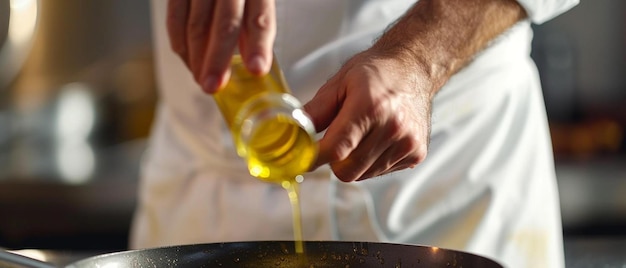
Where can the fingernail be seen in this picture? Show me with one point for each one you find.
(256, 65)
(210, 84)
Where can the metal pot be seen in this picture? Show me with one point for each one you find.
(281, 254)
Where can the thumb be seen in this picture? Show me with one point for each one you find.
(324, 106)
(323, 109)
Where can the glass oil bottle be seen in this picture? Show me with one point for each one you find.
(270, 130)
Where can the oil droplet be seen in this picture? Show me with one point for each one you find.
(260, 172)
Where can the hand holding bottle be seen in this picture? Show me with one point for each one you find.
(206, 33)
(376, 113)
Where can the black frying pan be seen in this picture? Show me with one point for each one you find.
(281, 254)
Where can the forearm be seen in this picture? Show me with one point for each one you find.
(439, 37)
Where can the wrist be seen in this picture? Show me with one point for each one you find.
(439, 37)
(423, 72)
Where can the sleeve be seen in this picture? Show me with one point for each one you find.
(540, 11)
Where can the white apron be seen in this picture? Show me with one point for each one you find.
(487, 185)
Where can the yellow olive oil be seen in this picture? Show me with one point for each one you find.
(270, 130)
(292, 191)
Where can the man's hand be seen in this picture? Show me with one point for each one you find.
(377, 113)
(376, 109)
(205, 33)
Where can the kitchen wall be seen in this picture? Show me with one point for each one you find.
(88, 76)
(581, 56)
(74, 118)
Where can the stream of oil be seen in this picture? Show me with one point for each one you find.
(292, 191)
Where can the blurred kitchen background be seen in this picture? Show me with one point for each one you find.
(77, 95)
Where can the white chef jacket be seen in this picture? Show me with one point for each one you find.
(487, 186)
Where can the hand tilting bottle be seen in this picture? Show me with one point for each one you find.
(269, 128)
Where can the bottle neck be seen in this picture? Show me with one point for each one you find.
(269, 107)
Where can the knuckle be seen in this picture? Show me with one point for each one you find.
(262, 21)
(387, 115)
(410, 144)
(415, 150)
(228, 28)
(338, 154)
(417, 156)
(395, 128)
(344, 147)
(414, 159)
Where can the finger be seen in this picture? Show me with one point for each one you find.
(415, 156)
(225, 28)
(259, 31)
(386, 162)
(176, 24)
(411, 162)
(198, 28)
(368, 152)
(324, 106)
(344, 134)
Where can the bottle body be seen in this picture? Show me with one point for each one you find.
(268, 125)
